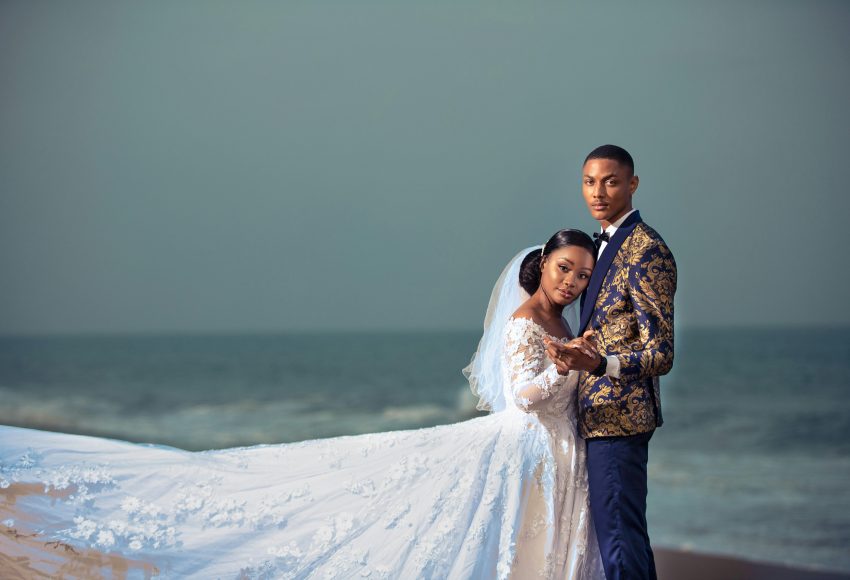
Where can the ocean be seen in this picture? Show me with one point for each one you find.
(753, 459)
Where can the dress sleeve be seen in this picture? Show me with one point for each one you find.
(531, 381)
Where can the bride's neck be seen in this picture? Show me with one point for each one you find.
(546, 307)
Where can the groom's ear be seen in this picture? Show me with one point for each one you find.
(633, 184)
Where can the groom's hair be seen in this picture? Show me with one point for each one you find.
(613, 152)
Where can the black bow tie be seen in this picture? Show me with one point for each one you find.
(599, 238)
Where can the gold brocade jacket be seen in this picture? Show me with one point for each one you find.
(629, 303)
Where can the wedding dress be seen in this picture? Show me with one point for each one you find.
(498, 496)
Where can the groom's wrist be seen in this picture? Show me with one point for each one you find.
(601, 367)
(608, 365)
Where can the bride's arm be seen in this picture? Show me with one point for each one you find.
(524, 358)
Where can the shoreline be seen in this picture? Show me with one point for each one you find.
(678, 563)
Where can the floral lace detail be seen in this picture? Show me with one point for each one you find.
(74, 483)
(500, 496)
(531, 380)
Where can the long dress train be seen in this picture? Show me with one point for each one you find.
(499, 496)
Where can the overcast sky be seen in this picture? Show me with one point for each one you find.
(216, 166)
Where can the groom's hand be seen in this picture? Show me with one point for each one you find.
(579, 354)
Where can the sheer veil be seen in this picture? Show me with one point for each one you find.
(484, 371)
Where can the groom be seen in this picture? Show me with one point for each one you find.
(629, 307)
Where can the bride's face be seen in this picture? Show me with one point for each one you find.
(565, 274)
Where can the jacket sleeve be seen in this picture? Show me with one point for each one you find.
(652, 285)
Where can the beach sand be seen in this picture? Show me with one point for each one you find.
(673, 564)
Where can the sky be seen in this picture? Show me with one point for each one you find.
(278, 166)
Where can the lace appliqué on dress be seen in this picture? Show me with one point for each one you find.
(500, 496)
(531, 381)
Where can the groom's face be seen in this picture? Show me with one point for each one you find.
(608, 187)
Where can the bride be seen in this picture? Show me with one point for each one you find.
(498, 496)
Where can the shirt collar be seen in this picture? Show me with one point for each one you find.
(613, 227)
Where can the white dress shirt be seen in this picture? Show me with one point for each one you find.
(610, 230)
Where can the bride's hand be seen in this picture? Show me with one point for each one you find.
(557, 353)
(586, 344)
(553, 351)
(578, 354)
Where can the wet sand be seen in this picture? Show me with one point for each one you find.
(674, 564)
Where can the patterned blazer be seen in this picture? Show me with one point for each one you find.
(629, 303)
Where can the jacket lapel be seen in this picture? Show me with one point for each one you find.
(603, 264)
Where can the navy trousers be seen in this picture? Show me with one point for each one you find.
(616, 469)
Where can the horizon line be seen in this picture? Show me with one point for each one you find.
(373, 330)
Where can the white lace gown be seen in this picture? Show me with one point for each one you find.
(500, 496)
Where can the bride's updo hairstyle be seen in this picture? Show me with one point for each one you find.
(529, 270)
